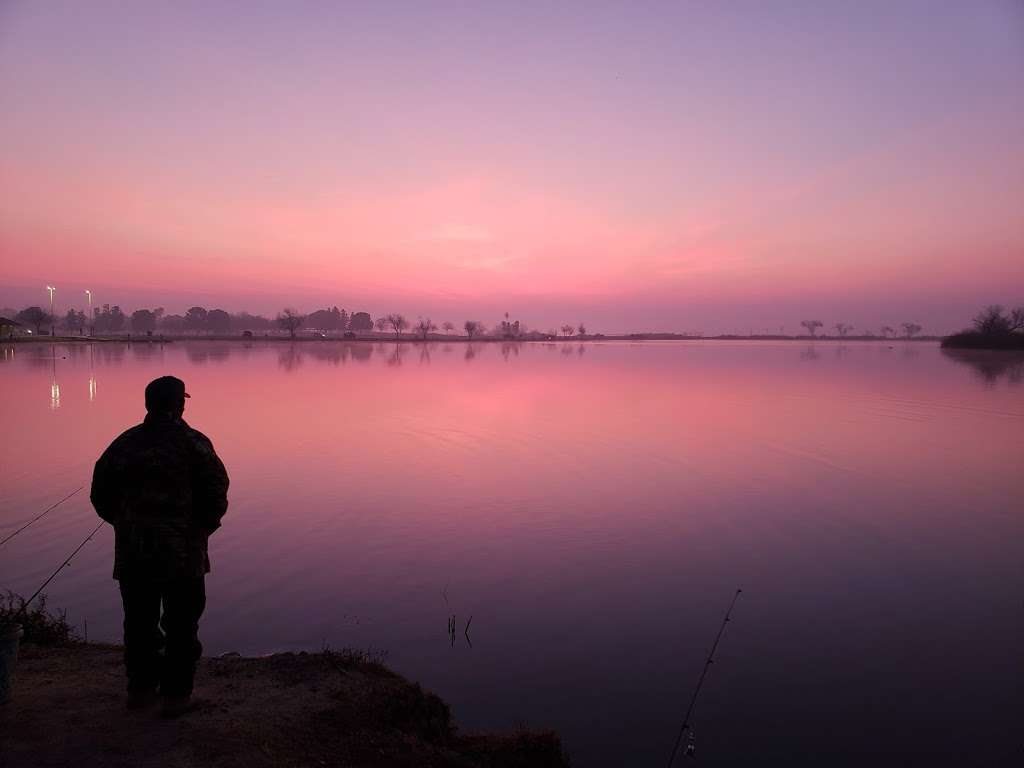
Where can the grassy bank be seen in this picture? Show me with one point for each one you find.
(281, 710)
(306, 709)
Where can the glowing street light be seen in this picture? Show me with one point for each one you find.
(51, 289)
(54, 386)
(92, 374)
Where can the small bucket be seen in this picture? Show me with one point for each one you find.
(10, 637)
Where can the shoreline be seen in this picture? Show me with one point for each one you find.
(287, 709)
(169, 339)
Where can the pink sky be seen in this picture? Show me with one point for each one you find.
(679, 168)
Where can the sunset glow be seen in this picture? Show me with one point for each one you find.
(684, 167)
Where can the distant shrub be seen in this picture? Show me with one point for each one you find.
(994, 328)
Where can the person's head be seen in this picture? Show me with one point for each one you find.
(166, 395)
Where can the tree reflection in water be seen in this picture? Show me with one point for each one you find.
(990, 365)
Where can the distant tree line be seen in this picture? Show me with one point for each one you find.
(843, 330)
(507, 328)
(201, 321)
(105, 319)
(334, 320)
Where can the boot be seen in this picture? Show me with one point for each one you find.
(141, 699)
(176, 706)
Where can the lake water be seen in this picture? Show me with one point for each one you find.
(593, 507)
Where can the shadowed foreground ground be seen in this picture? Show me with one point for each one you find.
(283, 710)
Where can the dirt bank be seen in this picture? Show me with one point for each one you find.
(285, 710)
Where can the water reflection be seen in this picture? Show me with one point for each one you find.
(146, 350)
(289, 358)
(990, 365)
(654, 474)
(397, 353)
(92, 373)
(54, 387)
(110, 353)
(212, 353)
(332, 354)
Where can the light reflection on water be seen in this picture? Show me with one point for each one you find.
(592, 507)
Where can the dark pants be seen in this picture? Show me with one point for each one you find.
(166, 659)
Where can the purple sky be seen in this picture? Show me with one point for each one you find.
(676, 166)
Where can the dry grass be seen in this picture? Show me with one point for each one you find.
(41, 626)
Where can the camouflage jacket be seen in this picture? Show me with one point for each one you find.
(163, 488)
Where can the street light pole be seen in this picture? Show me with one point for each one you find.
(88, 319)
(51, 289)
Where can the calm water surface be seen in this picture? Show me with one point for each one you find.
(592, 507)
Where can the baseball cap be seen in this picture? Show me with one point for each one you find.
(165, 392)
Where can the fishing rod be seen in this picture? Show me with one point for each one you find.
(700, 681)
(40, 516)
(67, 562)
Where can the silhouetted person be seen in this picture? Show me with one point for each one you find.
(163, 488)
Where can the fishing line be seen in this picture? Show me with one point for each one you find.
(700, 682)
(24, 606)
(40, 516)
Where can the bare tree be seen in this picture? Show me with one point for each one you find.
(473, 328)
(811, 325)
(992, 321)
(398, 324)
(911, 329)
(582, 330)
(381, 323)
(448, 326)
(843, 329)
(568, 330)
(424, 327)
(290, 320)
(888, 330)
